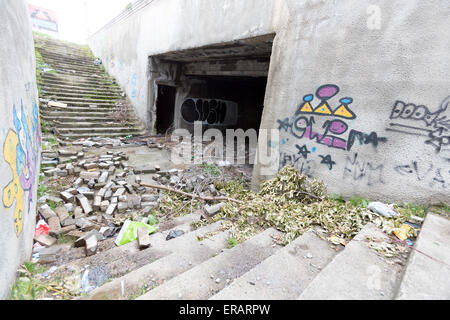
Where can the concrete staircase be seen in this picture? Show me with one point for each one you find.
(198, 265)
(87, 90)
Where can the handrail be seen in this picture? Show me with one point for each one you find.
(135, 7)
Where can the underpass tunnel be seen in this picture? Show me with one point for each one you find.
(223, 86)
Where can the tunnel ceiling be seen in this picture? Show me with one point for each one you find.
(254, 48)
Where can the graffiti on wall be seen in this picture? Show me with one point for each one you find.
(418, 120)
(324, 125)
(437, 177)
(133, 85)
(21, 152)
(334, 133)
(357, 170)
(210, 111)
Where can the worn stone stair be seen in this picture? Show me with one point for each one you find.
(284, 275)
(199, 266)
(427, 275)
(208, 278)
(357, 273)
(88, 91)
(186, 252)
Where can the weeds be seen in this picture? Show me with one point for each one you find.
(232, 242)
(211, 169)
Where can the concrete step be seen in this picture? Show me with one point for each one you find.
(110, 134)
(68, 65)
(427, 274)
(77, 119)
(60, 87)
(81, 94)
(80, 108)
(357, 273)
(120, 260)
(74, 90)
(75, 77)
(78, 62)
(187, 252)
(89, 105)
(48, 53)
(77, 72)
(86, 115)
(80, 84)
(105, 124)
(284, 275)
(86, 100)
(199, 283)
(95, 131)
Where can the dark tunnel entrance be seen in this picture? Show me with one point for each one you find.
(227, 103)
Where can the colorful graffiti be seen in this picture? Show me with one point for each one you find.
(418, 120)
(333, 131)
(302, 125)
(21, 151)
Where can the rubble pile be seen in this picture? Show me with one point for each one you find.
(97, 203)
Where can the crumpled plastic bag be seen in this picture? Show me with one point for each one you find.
(41, 228)
(382, 209)
(128, 233)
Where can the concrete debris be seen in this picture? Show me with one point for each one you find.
(45, 240)
(143, 238)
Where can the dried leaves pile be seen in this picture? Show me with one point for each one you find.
(292, 203)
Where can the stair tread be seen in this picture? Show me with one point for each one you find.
(284, 275)
(187, 252)
(428, 278)
(357, 273)
(197, 284)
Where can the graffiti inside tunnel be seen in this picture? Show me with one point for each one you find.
(21, 152)
(210, 111)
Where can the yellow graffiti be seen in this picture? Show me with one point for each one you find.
(13, 191)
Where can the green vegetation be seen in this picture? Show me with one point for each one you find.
(26, 288)
(232, 242)
(62, 239)
(31, 286)
(293, 204)
(52, 204)
(211, 169)
(42, 189)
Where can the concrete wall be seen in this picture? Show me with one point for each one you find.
(358, 89)
(21, 140)
(172, 25)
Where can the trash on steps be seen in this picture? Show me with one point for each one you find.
(129, 232)
(403, 232)
(382, 209)
(57, 104)
(174, 234)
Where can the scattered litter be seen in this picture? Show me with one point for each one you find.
(41, 228)
(403, 232)
(174, 234)
(337, 241)
(128, 233)
(383, 209)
